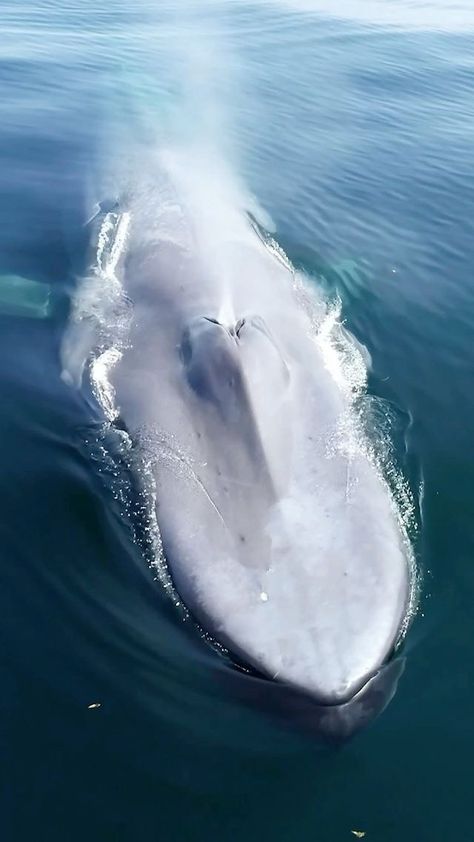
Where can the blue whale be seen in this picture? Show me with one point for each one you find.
(280, 532)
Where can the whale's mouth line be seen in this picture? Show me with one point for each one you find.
(239, 663)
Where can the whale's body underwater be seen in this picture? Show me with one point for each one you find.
(280, 534)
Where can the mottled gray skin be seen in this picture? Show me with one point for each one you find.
(283, 542)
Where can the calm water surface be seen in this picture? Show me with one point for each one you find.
(353, 128)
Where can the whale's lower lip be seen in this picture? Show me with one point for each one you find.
(332, 717)
(331, 721)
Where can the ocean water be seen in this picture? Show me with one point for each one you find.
(352, 129)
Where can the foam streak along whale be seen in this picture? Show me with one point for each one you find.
(280, 534)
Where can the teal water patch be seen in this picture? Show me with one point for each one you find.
(21, 296)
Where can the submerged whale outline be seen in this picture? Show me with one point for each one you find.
(213, 376)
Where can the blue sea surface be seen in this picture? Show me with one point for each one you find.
(353, 129)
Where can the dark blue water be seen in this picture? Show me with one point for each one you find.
(353, 129)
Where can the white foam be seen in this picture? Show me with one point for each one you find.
(100, 315)
(100, 375)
